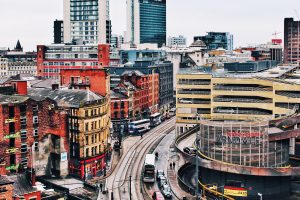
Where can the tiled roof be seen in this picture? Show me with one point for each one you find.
(66, 97)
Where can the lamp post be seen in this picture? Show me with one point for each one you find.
(260, 195)
(197, 160)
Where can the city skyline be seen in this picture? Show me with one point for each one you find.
(196, 19)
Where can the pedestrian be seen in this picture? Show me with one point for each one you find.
(101, 186)
(173, 165)
(170, 165)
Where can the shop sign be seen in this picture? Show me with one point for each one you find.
(237, 138)
(12, 167)
(236, 192)
(64, 156)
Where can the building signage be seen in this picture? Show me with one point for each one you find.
(236, 138)
(236, 192)
(16, 135)
(12, 167)
(64, 156)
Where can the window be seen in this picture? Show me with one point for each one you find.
(87, 152)
(35, 133)
(116, 114)
(35, 119)
(23, 148)
(86, 140)
(23, 134)
(122, 104)
(86, 126)
(35, 108)
(36, 146)
(116, 105)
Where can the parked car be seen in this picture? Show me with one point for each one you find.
(190, 150)
(159, 173)
(163, 181)
(166, 191)
(157, 196)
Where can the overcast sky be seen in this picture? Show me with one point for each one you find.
(251, 21)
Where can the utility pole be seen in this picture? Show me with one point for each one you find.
(197, 160)
(129, 187)
(84, 156)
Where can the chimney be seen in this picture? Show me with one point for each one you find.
(55, 86)
(20, 87)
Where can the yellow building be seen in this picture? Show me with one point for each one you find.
(244, 96)
(88, 128)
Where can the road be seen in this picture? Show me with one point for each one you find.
(165, 156)
(131, 164)
(187, 142)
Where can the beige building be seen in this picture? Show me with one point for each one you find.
(224, 96)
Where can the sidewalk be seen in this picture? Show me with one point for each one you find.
(172, 176)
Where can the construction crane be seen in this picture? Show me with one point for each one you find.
(276, 34)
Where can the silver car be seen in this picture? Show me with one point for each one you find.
(166, 191)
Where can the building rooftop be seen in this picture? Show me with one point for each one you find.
(11, 99)
(22, 185)
(131, 72)
(65, 97)
(273, 73)
(117, 95)
(5, 180)
(47, 83)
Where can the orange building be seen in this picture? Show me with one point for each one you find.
(52, 59)
(96, 80)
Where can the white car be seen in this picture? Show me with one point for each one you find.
(159, 174)
(166, 191)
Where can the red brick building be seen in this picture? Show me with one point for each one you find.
(25, 124)
(96, 80)
(53, 58)
(6, 188)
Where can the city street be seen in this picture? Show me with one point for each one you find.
(131, 164)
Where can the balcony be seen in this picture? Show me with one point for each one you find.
(12, 135)
(10, 120)
(12, 167)
(12, 150)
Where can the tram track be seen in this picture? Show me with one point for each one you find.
(131, 164)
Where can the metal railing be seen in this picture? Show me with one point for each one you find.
(242, 100)
(233, 88)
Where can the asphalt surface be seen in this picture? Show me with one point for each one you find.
(165, 156)
(131, 163)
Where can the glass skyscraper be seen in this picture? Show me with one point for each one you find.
(146, 22)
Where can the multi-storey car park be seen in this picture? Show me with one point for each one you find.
(236, 96)
(248, 128)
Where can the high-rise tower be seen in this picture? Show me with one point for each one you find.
(87, 21)
(146, 21)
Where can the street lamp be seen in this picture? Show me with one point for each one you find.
(260, 195)
(197, 160)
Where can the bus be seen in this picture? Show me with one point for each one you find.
(139, 127)
(155, 119)
(149, 169)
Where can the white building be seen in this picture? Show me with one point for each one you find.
(87, 21)
(8, 68)
(15, 68)
(179, 41)
(186, 57)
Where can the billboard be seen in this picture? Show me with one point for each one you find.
(235, 191)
